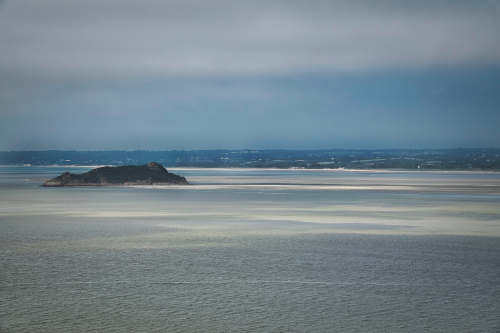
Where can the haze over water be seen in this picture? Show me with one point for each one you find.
(252, 250)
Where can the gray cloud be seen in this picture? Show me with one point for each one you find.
(391, 109)
(160, 74)
(187, 37)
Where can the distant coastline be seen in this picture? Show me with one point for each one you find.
(451, 171)
(459, 159)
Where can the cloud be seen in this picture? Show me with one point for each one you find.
(192, 38)
(173, 74)
(416, 109)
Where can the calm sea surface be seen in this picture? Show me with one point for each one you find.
(252, 251)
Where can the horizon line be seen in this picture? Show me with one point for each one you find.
(242, 149)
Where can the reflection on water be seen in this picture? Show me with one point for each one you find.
(252, 250)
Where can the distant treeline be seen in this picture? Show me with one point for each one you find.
(441, 159)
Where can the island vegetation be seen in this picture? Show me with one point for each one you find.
(148, 174)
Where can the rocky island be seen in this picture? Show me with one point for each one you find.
(148, 174)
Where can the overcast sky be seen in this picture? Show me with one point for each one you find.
(157, 74)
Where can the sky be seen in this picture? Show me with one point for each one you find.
(294, 74)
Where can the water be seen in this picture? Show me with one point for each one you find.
(252, 251)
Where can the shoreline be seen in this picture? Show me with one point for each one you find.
(454, 171)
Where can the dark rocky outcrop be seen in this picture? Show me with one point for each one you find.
(148, 174)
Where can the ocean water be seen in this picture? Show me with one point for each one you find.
(252, 251)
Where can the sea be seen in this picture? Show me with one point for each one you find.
(252, 250)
